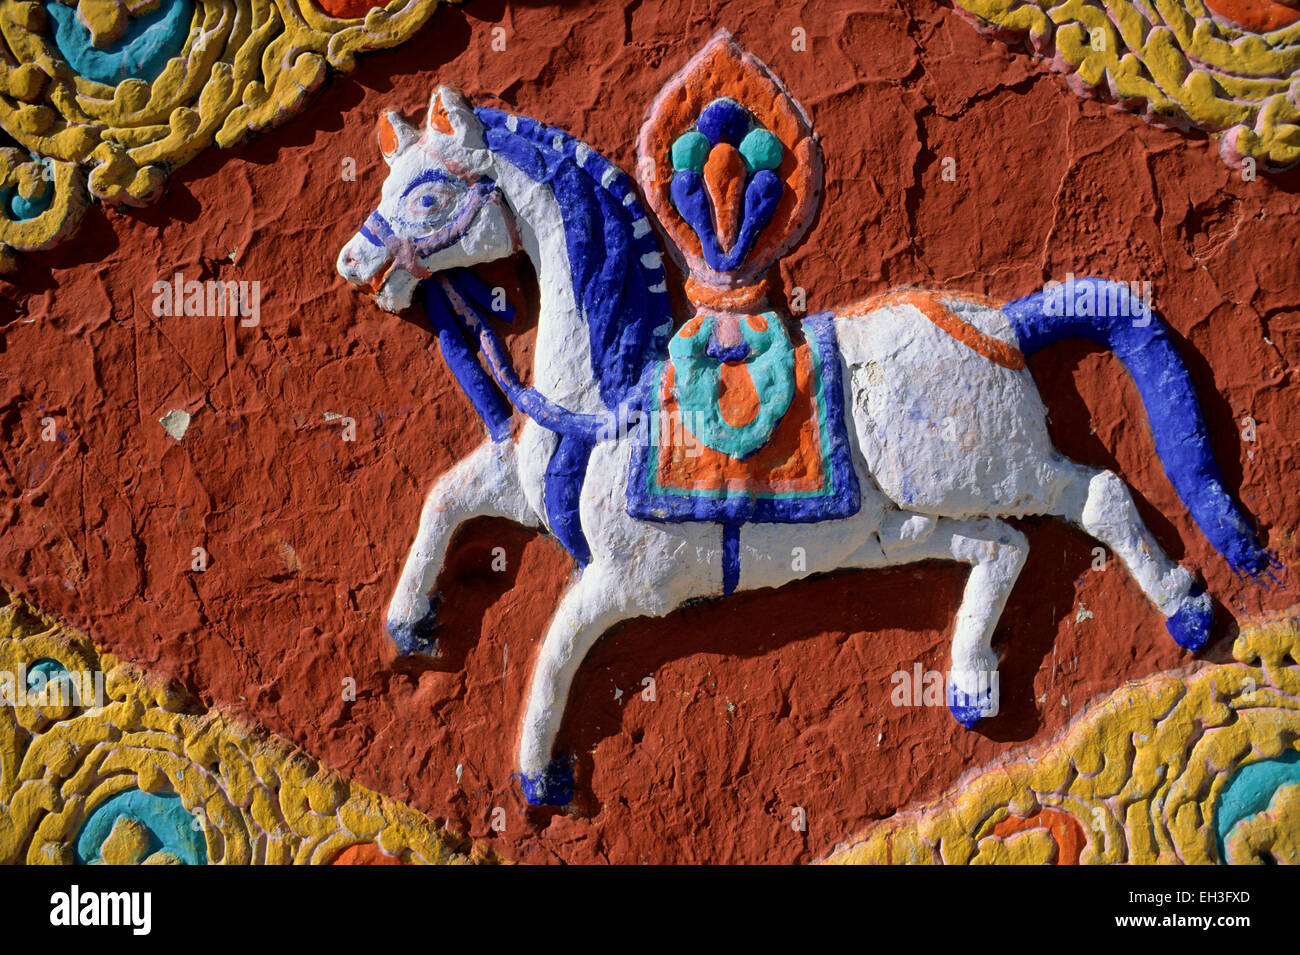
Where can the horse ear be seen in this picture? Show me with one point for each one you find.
(451, 115)
(395, 134)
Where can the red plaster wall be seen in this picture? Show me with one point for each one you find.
(765, 701)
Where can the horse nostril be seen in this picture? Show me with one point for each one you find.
(350, 267)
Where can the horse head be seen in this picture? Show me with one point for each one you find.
(440, 207)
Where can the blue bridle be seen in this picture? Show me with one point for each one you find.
(407, 253)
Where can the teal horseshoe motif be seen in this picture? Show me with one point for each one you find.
(768, 356)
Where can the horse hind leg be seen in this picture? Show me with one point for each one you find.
(1099, 502)
(996, 552)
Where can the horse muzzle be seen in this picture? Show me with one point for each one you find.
(363, 265)
(373, 269)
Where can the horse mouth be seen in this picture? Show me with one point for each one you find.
(376, 281)
(392, 288)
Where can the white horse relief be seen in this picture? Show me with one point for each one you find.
(944, 430)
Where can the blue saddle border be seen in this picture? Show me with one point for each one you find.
(842, 499)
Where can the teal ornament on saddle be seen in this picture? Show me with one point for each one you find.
(762, 356)
(796, 468)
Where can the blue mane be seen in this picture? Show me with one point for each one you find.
(614, 258)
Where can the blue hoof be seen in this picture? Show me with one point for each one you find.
(553, 787)
(1190, 625)
(414, 638)
(969, 708)
(967, 716)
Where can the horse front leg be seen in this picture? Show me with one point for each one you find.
(597, 601)
(485, 484)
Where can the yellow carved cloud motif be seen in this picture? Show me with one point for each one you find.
(242, 66)
(1174, 61)
(1139, 778)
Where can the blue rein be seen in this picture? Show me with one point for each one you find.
(455, 303)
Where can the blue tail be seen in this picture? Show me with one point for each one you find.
(1110, 315)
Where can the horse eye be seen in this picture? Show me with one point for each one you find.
(429, 199)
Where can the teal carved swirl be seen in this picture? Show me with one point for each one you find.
(151, 39)
(697, 385)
